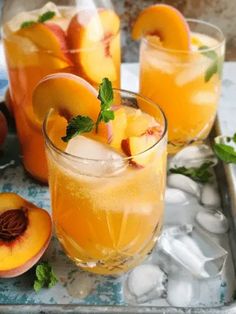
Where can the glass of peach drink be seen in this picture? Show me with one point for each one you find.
(106, 179)
(40, 40)
(180, 69)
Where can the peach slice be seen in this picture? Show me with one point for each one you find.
(48, 37)
(119, 125)
(69, 95)
(138, 122)
(3, 128)
(167, 23)
(25, 233)
(137, 147)
(94, 35)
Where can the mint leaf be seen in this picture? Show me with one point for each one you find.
(234, 138)
(211, 70)
(78, 125)
(45, 277)
(38, 285)
(217, 62)
(27, 24)
(105, 95)
(200, 174)
(46, 16)
(225, 152)
(210, 54)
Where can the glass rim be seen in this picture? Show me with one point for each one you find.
(187, 52)
(56, 149)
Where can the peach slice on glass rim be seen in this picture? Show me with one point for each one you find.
(165, 22)
(69, 95)
(25, 233)
(94, 37)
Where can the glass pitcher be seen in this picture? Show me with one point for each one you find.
(40, 38)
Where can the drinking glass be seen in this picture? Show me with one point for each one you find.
(108, 213)
(185, 84)
(40, 38)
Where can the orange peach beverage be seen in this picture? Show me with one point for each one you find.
(56, 39)
(107, 188)
(180, 69)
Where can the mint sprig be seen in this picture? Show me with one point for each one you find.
(84, 124)
(45, 276)
(217, 62)
(46, 16)
(105, 95)
(78, 125)
(199, 174)
(225, 152)
(27, 24)
(41, 19)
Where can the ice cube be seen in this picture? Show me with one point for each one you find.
(210, 196)
(184, 183)
(193, 156)
(95, 158)
(194, 251)
(212, 221)
(80, 285)
(173, 196)
(193, 71)
(145, 282)
(182, 289)
(204, 98)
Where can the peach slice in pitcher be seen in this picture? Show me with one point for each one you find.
(25, 233)
(165, 22)
(48, 37)
(94, 36)
(69, 95)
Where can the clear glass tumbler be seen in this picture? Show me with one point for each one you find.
(40, 38)
(108, 213)
(185, 84)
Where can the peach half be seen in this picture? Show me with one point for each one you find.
(25, 233)
(165, 22)
(94, 37)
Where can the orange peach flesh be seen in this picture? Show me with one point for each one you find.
(19, 255)
(95, 37)
(47, 37)
(165, 22)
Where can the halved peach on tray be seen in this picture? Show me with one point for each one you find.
(25, 233)
(165, 22)
(94, 37)
(48, 37)
(69, 95)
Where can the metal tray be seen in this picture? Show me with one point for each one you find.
(17, 296)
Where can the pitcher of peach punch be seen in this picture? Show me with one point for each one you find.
(41, 38)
